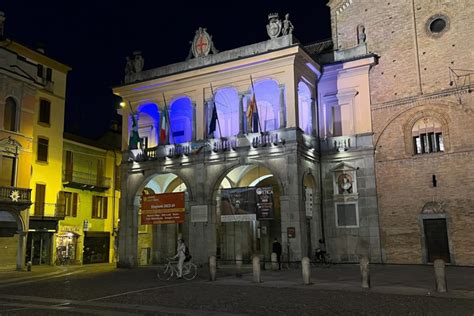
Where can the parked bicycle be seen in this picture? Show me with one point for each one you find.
(321, 259)
(170, 269)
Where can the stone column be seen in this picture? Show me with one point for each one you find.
(20, 257)
(241, 113)
(282, 107)
(314, 123)
(193, 133)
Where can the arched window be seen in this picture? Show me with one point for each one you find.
(227, 104)
(148, 124)
(9, 115)
(427, 134)
(181, 120)
(305, 113)
(267, 95)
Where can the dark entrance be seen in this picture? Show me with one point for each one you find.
(38, 248)
(96, 247)
(436, 239)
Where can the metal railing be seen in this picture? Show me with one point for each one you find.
(85, 178)
(14, 194)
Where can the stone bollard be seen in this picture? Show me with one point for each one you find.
(238, 266)
(274, 261)
(440, 275)
(212, 268)
(364, 272)
(306, 269)
(256, 268)
(28, 266)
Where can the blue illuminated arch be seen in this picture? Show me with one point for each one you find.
(227, 104)
(305, 113)
(181, 120)
(267, 94)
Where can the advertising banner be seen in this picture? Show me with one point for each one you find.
(165, 208)
(238, 205)
(264, 203)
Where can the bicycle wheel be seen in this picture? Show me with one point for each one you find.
(189, 271)
(165, 273)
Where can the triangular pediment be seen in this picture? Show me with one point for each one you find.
(343, 167)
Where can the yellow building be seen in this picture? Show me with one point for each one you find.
(90, 193)
(17, 107)
(46, 161)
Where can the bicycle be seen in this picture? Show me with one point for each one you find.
(321, 259)
(170, 269)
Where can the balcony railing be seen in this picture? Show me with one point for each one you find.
(85, 181)
(14, 199)
(13, 194)
(49, 210)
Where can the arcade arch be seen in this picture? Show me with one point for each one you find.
(156, 242)
(239, 230)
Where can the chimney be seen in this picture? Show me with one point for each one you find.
(2, 25)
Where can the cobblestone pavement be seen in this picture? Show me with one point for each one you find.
(102, 290)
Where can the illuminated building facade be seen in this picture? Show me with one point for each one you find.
(362, 139)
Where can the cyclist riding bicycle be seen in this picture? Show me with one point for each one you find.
(181, 255)
(321, 252)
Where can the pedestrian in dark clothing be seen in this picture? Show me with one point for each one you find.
(276, 248)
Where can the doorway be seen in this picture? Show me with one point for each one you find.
(38, 249)
(436, 239)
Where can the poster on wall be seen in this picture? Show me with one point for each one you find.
(264, 203)
(165, 208)
(308, 201)
(238, 205)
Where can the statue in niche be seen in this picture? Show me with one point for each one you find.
(274, 25)
(344, 183)
(361, 34)
(138, 62)
(287, 25)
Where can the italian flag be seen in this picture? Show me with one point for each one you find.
(163, 127)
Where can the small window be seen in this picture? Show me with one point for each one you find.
(39, 199)
(39, 70)
(427, 136)
(346, 215)
(49, 74)
(7, 171)
(99, 207)
(44, 112)
(42, 154)
(9, 115)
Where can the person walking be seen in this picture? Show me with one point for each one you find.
(276, 248)
(181, 255)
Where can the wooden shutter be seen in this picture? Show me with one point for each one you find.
(74, 205)
(94, 206)
(39, 199)
(61, 205)
(105, 206)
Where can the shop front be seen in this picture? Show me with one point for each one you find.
(39, 241)
(67, 245)
(96, 247)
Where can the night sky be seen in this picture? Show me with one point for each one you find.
(94, 37)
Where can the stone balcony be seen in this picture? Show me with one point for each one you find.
(14, 199)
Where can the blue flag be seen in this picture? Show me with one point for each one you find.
(212, 124)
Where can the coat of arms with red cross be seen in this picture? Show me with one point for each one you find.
(202, 43)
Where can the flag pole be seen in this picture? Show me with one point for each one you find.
(133, 136)
(168, 115)
(256, 104)
(217, 115)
